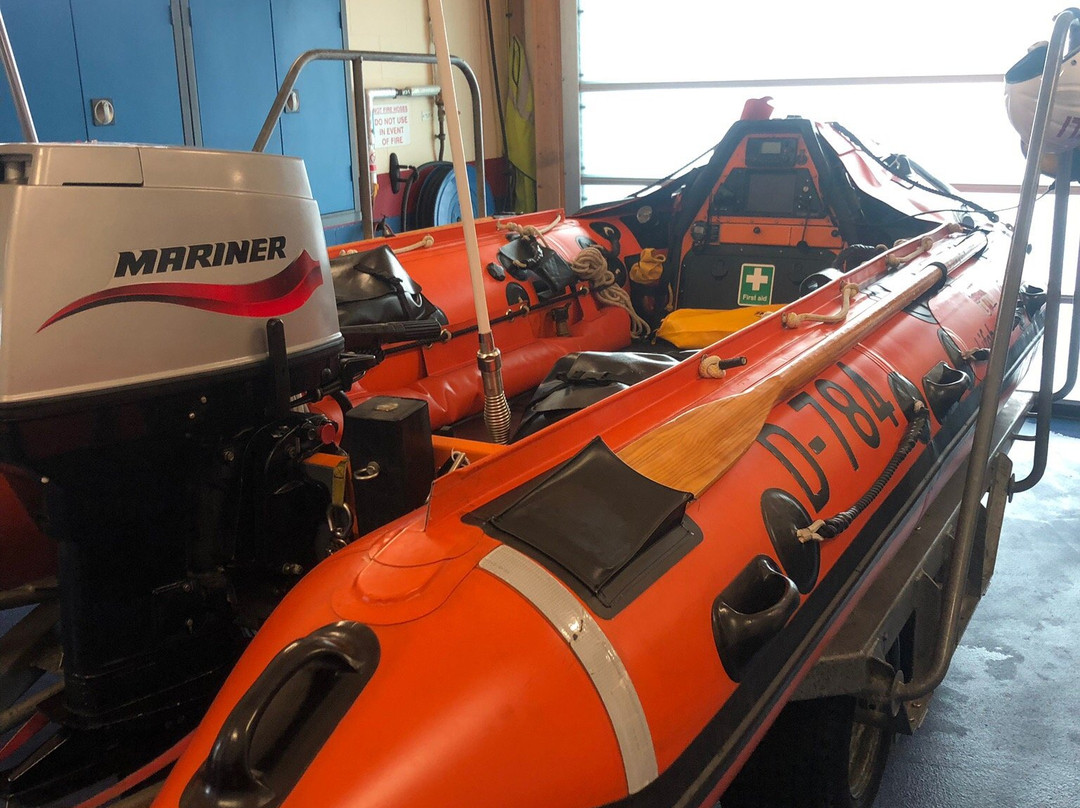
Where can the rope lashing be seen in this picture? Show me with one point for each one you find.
(713, 367)
(896, 261)
(824, 529)
(530, 234)
(710, 368)
(426, 241)
(848, 290)
(591, 265)
(528, 229)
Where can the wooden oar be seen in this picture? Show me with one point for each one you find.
(691, 451)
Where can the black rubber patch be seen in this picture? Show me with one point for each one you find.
(905, 392)
(597, 524)
(783, 515)
(921, 311)
(516, 294)
(952, 350)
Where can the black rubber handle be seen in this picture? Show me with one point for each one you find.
(750, 611)
(428, 330)
(227, 777)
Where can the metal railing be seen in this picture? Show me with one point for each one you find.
(18, 94)
(363, 117)
(1065, 28)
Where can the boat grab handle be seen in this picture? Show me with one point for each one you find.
(227, 776)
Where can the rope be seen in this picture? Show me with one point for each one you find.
(793, 320)
(591, 265)
(710, 368)
(896, 261)
(824, 529)
(528, 229)
(426, 241)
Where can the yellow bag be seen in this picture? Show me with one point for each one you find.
(699, 328)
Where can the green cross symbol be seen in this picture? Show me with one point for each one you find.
(756, 284)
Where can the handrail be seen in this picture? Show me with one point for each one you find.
(18, 94)
(1044, 405)
(1074, 343)
(975, 481)
(363, 118)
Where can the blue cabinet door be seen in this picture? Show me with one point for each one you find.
(127, 55)
(44, 45)
(235, 71)
(319, 131)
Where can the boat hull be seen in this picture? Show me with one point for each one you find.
(484, 695)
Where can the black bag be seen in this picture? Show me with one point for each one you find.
(373, 287)
(580, 379)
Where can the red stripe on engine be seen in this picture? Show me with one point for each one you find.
(271, 297)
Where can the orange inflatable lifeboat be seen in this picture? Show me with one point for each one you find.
(612, 609)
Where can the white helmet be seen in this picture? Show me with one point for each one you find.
(1022, 83)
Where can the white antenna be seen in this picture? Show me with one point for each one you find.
(496, 410)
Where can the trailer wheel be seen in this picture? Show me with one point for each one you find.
(823, 753)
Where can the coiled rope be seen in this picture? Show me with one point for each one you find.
(591, 265)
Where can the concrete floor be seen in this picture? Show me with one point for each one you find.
(1004, 728)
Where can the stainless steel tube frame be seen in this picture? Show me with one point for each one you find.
(975, 483)
(1074, 342)
(1045, 401)
(18, 94)
(363, 122)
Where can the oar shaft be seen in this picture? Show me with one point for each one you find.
(810, 363)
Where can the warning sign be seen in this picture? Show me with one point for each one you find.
(756, 284)
(391, 125)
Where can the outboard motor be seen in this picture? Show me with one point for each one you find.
(164, 312)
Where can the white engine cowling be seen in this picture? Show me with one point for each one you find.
(127, 267)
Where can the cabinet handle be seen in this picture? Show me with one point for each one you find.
(104, 112)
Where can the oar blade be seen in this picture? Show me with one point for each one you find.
(690, 452)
